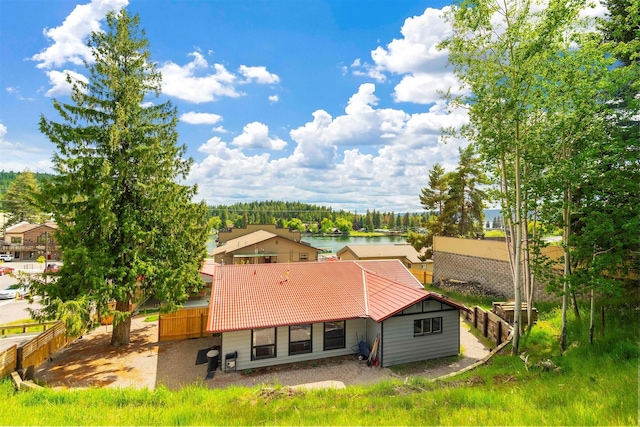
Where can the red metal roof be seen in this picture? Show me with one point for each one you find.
(250, 296)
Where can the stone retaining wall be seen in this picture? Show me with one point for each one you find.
(491, 277)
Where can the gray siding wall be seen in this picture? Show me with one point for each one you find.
(400, 346)
(240, 341)
(373, 328)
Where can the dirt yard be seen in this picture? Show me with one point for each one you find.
(91, 362)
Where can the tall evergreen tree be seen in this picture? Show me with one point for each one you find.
(125, 224)
(463, 212)
(434, 197)
(20, 201)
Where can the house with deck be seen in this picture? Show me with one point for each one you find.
(263, 247)
(27, 242)
(271, 314)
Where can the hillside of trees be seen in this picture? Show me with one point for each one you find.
(6, 178)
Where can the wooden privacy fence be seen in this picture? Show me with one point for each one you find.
(184, 323)
(8, 361)
(35, 351)
(26, 327)
(490, 324)
(425, 277)
(41, 347)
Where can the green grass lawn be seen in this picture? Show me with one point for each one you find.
(589, 384)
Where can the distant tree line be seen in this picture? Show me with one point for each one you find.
(311, 218)
(21, 205)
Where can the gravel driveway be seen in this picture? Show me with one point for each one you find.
(145, 363)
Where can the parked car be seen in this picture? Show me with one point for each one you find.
(14, 291)
(5, 270)
(52, 268)
(6, 257)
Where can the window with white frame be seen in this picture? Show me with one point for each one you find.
(263, 343)
(429, 326)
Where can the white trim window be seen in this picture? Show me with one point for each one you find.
(429, 326)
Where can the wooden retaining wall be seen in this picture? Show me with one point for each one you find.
(489, 324)
(184, 323)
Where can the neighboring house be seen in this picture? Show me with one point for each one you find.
(234, 233)
(27, 242)
(400, 251)
(263, 247)
(404, 252)
(270, 314)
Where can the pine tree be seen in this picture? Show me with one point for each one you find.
(125, 224)
(20, 201)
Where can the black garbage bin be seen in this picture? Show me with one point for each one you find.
(212, 356)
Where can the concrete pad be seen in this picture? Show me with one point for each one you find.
(319, 385)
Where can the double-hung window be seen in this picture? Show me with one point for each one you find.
(263, 343)
(334, 333)
(429, 326)
(299, 339)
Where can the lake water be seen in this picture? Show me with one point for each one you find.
(334, 244)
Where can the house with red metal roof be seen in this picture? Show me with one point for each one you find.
(270, 314)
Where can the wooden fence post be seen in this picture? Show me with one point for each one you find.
(19, 353)
(201, 325)
(475, 317)
(499, 339)
(485, 327)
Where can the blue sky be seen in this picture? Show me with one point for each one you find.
(326, 102)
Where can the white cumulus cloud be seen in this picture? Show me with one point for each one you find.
(199, 82)
(196, 81)
(59, 83)
(69, 39)
(194, 118)
(258, 74)
(256, 135)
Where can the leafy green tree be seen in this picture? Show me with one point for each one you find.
(296, 224)
(343, 224)
(125, 225)
(20, 200)
(215, 223)
(501, 52)
(620, 28)
(327, 226)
